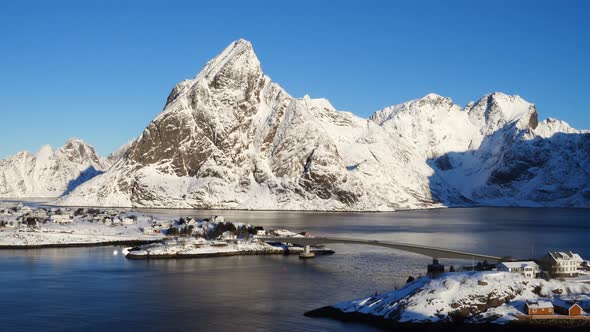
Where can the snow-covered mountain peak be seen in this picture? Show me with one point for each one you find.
(495, 110)
(233, 62)
(430, 103)
(76, 150)
(49, 172)
(317, 103)
(433, 100)
(433, 97)
(551, 126)
(235, 66)
(74, 142)
(45, 152)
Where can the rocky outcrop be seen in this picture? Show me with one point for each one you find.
(470, 298)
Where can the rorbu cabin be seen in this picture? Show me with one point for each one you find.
(538, 308)
(568, 309)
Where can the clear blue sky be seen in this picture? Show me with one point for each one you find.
(101, 70)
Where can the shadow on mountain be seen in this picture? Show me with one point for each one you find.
(84, 176)
(513, 171)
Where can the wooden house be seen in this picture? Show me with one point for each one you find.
(528, 269)
(562, 264)
(538, 308)
(568, 308)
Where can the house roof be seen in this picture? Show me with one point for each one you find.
(565, 304)
(565, 256)
(540, 304)
(522, 264)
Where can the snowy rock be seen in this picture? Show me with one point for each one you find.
(473, 297)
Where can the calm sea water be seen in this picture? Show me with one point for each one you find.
(91, 289)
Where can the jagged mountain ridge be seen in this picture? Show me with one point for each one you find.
(231, 138)
(49, 172)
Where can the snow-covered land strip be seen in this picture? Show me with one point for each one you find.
(199, 247)
(25, 227)
(240, 240)
(461, 297)
(157, 237)
(14, 239)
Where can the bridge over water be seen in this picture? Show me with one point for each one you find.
(433, 252)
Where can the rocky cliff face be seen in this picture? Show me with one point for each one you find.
(49, 173)
(231, 138)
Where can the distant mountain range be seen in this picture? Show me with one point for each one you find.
(50, 173)
(231, 138)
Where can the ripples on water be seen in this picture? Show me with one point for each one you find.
(91, 289)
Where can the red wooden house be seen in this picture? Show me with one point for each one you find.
(568, 309)
(538, 308)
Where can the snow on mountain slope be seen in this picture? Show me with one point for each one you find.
(231, 138)
(49, 173)
(119, 154)
(521, 162)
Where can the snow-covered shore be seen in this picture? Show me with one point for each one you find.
(229, 243)
(152, 236)
(24, 227)
(16, 240)
(461, 297)
(198, 247)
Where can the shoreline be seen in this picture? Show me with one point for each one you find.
(223, 254)
(78, 245)
(544, 325)
(48, 204)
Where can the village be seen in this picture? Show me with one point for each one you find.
(152, 236)
(23, 226)
(567, 266)
(28, 219)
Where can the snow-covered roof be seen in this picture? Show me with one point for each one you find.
(565, 256)
(523, 264)
(540, 305)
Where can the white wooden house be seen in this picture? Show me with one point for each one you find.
(127, 221)
(152, 230)
(228, 235)
(62, 218)
(562, 264)
(528, 269)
